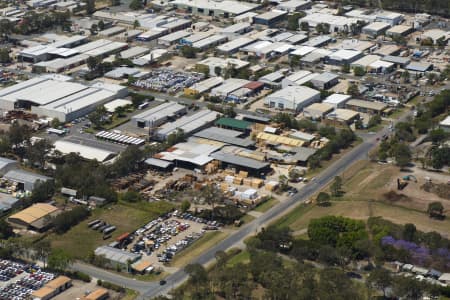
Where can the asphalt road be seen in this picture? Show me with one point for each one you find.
(149, 290)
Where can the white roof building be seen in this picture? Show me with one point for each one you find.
(84, 151)
(337, 100)
(292, 98)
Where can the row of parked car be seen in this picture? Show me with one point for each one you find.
(171, 250)
(9, 270)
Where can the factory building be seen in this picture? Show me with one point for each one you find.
(36, 217)
(25, 180)
(390, 17)
(325, 80)
(158, 115)
(203, 86)
(270, 18)
(375, 29)
(222, 64)
(58, 98)
(233, 46)
(336, 23)
(188, 124)
(344, 57)
(294, 5)
(292, 98)
(224, 9)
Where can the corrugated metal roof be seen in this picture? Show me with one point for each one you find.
(239, 160)
(233, 123)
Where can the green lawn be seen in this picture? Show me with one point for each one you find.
(241, 257)
(265, 206)
(246, 219)
(80, 240)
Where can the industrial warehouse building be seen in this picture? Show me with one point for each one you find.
(116, 257)
(35, 217)
(188, 124)
(26, 180)
(225, 9)
(56, 97)
(7, 164)
(293, 98)
(86, 152)
(158, 115)
(203, 86)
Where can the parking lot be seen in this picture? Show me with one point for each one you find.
(170, 81)
(18, 281)
(161, 239)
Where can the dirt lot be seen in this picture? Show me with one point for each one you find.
(372, 181)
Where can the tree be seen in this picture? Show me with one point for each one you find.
(66, 220)
(93, 63)
(97, 116)
(59, 260)
(435, 209)
(345, 68)
(437, 136)
(136, 5)
(284, 182)
(38, 153)
(374, 121)
(43, 191)
(353, 90)
(292, 22)
(185, 205)
(198, 276)
(188, 51)
(217, 70)
(402, 154)
(304, 26)
(90, 6)
(101, 25)
(136, 24)
(6, 230)
(380, 279)
(120, 111)
(409, 232)
(212, 195)
(229, 112)
(41, 251)
(336, 186)
(294, 174)
(323, 199)
(18, 135)
(407, 288)
(115, 2)
(359, 71)
(4, 55)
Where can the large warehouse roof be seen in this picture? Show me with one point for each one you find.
(40, 91)
(225, 135)
(34, 212)
(162, 111)
(117, 255)
(189, 123)
(84, 151)
(239, 160)
(24, 176)
(233, 7)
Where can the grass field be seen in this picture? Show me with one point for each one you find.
(263, 207)
(80, 241)
(241, 257)
(198, 247)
